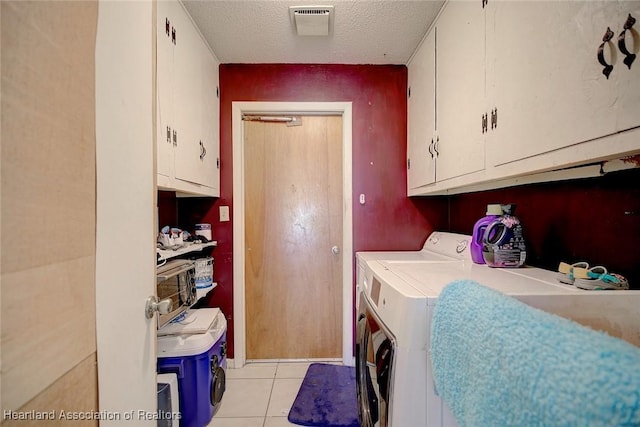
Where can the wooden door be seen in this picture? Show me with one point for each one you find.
(293, 219)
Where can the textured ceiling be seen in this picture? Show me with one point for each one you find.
(364, 31)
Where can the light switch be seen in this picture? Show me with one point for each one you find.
(224, 213)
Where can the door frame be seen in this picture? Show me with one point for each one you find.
(342, 109)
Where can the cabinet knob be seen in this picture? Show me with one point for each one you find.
(608, 68)
(622, 44)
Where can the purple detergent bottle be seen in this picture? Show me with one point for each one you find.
(493, 211)
(503, 243)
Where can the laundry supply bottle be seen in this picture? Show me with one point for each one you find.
(493, 211)
(503, 242)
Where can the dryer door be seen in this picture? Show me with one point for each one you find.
(375, 350)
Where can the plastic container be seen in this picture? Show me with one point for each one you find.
(165, 415)
(204, 230)
(494, 211)
(199, 362)
(203, 276)
(503, 241)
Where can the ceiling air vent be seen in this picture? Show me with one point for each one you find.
(312, 20)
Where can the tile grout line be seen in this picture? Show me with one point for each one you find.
(273, 382)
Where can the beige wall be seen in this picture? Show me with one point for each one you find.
(48, 339)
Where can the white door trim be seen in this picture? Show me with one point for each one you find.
(297, 108)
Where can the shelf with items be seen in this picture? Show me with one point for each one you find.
(188, 248)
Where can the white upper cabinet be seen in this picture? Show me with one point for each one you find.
(447, 98)
(460, 89)
(421, 111)
(188, 106)
(628, 77)
(165, 98)
(544, 79)
(527, 90)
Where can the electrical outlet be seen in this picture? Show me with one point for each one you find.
(224, 213)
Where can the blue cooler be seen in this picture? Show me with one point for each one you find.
(195, 350)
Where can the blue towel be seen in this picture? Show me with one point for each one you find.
(499, 362)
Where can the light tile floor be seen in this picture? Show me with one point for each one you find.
(260, 394)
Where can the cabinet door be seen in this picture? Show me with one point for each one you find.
(188, 96)
(210, 119)
(628, 78)
(545, 79)
(421, 115)
(460, 89)
(164, 86)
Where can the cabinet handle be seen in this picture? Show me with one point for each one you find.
(203, 151)
(430, 147)
(435, 146)
(484, 3)
(217, 162)
(494, 118)
(168, 134)
(622, 45)
(167, 26)
(175, 138)
(608, 68)
(485, 126)
(173, 35)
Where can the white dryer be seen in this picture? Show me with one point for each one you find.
(397, 298)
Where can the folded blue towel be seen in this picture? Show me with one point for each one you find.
(499, 362)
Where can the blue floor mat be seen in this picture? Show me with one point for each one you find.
(327, 397)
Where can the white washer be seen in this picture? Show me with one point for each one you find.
(439, 247)
(397, 298)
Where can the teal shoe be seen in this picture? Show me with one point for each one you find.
(602, 280)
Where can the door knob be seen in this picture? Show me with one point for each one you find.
(154, 304)
(335, 250)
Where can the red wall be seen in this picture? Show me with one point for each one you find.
(388, 220)
(595, 220)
